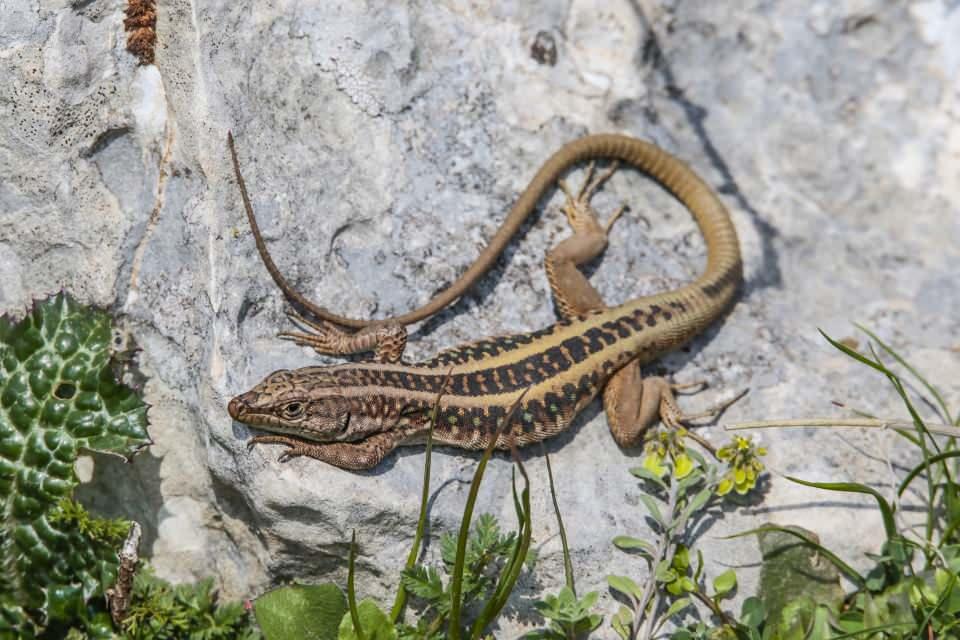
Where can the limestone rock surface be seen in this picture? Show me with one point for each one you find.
(383, 142)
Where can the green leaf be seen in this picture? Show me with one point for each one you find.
(645, 474)
(518, 548)
(625, 586)
(923, 466)
(353, 612)
(301, 612)
(821, 628)
(664, 572)
(676, 607)
(724, 583)
(567, 562)
(752, 612)
(425, 583)
(698, 502)
(628, 543)
(653, 508)
(400, 601)
(459, 563)
(374, 623)
(622, 621)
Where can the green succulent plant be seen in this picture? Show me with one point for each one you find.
(58, 395)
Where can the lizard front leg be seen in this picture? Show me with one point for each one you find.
(386, 340)
(354, 456)
(572, 293)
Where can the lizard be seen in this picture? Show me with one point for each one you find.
(352, 415)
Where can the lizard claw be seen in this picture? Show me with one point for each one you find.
(699, 385)
(323, 337)
(386, 340)
(286, 441)
(580, 215)
(321, 343)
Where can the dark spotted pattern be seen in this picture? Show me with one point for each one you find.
(536, 419)
(490, 347)
(520, 374)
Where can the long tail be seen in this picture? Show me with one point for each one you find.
(715, 288)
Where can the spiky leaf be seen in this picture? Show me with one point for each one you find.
(58, 395)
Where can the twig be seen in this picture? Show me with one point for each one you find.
(118, 596)
(939, 429)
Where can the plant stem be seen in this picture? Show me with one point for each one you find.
(664, 550)
(714, 607)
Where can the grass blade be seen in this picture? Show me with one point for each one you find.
(856, 355)
(886, 511)
(567, 563)
(845, 568)
(918, 422)
(906, 365)
(456, 579)
(401, 600)
(510, 574)
(923, 466)
(351, 591)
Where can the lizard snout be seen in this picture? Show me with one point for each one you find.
(235, 408)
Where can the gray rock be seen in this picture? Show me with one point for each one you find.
(382, 144)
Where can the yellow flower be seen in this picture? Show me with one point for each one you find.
(742, 457)
(682, 466)
(725, 485)
(653, 463)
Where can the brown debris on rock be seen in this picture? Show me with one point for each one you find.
(141, 26)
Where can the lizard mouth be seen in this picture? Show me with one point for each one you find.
(241, 410)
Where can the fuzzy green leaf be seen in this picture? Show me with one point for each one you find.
(301, 612)
(654, 509)
(724, 583)
(676, 607)
(629, 543)
(622, 622)
(645, 474)
(625, 586)
(375, 623)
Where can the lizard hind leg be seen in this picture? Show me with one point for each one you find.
(633, 404)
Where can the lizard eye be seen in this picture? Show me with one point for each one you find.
(292, 410)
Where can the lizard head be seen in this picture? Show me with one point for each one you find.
(307, 403)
